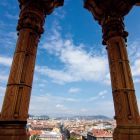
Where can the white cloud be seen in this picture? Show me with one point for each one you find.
(136, 68)
(93, 99)
(8, 39)
(49, 104)
(105, 107)
(58, 76)
(41, 85)
(3, 77)
(107, 79)
(82, 65)
(79, 65)
(59, 13)
(2, 90)
(134, 51)
(134, 57)
(12, 35)
(74, 90)
(59, 106)
(100, 95)
(137, 80)
(10, 16)
(84, 110)
(5, 61)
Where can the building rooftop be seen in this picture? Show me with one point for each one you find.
(35, 132)
(50, 135)
(101, 133)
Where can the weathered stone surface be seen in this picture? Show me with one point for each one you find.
(13, 132)
(110, 15)
(17, 97)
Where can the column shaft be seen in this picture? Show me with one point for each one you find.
(14, 112)
(16, 102)
(110, 15)
(125, 103)
(126, 108)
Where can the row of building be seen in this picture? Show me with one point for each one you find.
(74, 130)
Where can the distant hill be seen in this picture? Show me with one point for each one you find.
(79, 117)
(41, 117)
(94, 117)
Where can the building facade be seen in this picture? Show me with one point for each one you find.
(99, 134)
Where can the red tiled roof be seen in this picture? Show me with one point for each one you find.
(101, 133)
(35, 132)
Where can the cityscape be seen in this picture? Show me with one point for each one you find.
(70, 128)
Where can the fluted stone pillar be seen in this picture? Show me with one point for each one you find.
(110, 17)
(14, 114)
(126, 108)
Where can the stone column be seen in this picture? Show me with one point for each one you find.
(126, 108)
(14, 112)
(114, 36)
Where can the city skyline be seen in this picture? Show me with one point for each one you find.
(71, 74)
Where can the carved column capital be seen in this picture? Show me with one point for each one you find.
(31, 19)
(33, 13)
(113, 25)
(46, 5)
(109, 15)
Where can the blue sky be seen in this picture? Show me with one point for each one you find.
(71, 74)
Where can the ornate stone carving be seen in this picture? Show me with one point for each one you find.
(31, 20)
(17, 97)
(109, 15)
(112, 26)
